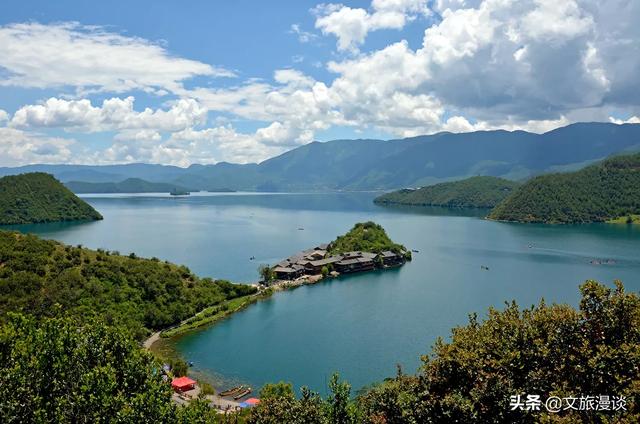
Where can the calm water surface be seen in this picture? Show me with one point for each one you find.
(363, 325)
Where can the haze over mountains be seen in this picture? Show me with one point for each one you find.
(377, 164)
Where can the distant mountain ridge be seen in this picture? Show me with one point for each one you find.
(383, 165)
(130, 185)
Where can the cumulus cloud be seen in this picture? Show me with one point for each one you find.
(632, 120)
(91, 58)
(114, 114)
(18, 147)
(351, 25)
(484, 64)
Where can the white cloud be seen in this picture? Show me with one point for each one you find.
(18, 147)
(303, 36)
(90, 58)
(632, 120)
(351, 25)
(485, 65)
(113, 114)
(4, 116)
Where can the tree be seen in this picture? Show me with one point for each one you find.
(544, 350)
(325, 271)
(58, 370)
(339, 409)
(266, 273)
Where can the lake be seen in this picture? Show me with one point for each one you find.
(360, 325)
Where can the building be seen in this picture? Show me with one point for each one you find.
(183, 384)
(389, 258)
(312, 261)
(315, 267)
(355, 264)
(289, 271)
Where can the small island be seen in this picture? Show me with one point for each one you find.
(365, 247)
(474, 192)
(38, 197)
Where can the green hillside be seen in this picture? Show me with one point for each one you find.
(46, 278)
(474, 192)
(609, 190)
(130, 185)
(366, 237)
(39, 197)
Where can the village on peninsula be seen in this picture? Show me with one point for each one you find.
(365, 247)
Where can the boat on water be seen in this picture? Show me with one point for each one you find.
(484, 267)
(415, 251)
(243, 393)
(177, 192)
(233, 391)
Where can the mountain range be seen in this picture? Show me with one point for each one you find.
(367, 164)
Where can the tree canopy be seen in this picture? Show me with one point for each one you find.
(547, 350)
(366, 237)
(474, 192)
(47, 278)
(601, 192)
(39, 197)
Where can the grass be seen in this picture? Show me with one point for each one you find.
(215, 313)
(628, 219)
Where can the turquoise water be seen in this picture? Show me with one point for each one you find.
(361, 325)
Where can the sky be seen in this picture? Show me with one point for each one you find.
(240, 81)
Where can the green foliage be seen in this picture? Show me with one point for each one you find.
(545, 350)
(325, 271)
(266, 273)
(339, 409)
(38, 197)
(602, 192)
(276, 390)
(179, 367)
(279, 405)
(206, 388)
(58, 370)
(46, 278)
(367, 237)
(474, 192)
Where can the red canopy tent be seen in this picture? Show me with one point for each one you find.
(182, 384)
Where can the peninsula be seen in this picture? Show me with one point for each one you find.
(474, 192)
(364, 248)
(38, 197)
(608, 191)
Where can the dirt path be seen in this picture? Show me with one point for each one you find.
(151, 340)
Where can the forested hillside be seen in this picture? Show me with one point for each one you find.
(474, 192)
(366, 237)
(130, 185)
(39, 197)
(609, 190)
(46, 278)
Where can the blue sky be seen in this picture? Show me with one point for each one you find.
(208, 81)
